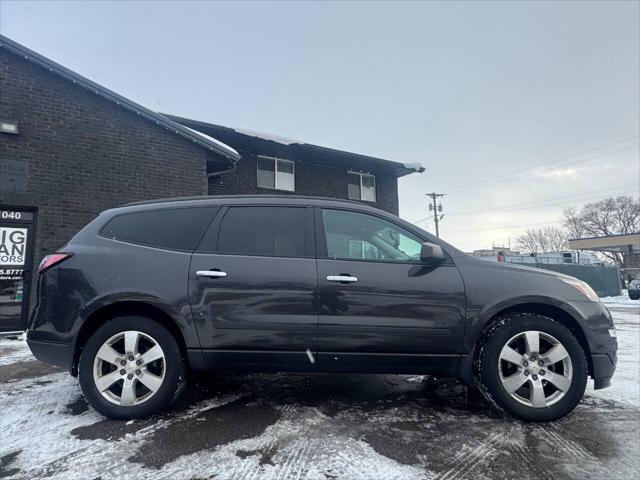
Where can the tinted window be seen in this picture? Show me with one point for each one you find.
(358, 236)
(265, 231)
(174, 229)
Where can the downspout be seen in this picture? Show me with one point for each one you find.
(210, 175)
(223, 172)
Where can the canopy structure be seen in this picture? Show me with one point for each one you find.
(628, 243)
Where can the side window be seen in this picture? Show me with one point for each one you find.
(358, 236)
(264, 231)
(276, 173)
(173, 229)
(361, 186)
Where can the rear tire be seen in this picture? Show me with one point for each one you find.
(532, 367)
(131, 367)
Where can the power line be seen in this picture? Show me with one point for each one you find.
(546, 204)
(528, 205)
(506, 179)
(511, 174)
(503, 226)
(547, 163)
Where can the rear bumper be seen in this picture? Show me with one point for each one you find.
(59, 354)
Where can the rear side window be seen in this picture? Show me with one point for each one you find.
(173, 229)
(264, 231)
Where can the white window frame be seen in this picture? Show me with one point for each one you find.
(360, 174)
(275, 172)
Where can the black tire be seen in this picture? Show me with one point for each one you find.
(488, 375)
(174, 364)
(634, 295)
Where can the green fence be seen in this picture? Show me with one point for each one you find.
(604, 280)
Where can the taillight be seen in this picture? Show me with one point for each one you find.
(52, 259)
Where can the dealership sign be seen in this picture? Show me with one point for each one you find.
(13, 246)
(17, 236)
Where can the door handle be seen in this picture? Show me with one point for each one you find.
(211, 273)
(342, 278)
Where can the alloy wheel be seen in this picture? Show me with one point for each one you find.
(129, 368)
(535, 369)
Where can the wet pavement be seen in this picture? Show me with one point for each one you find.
(316, 427)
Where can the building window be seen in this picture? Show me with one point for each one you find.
(362, 187)
(276, 173)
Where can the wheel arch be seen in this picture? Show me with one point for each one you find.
(554, 312)
(119, 309)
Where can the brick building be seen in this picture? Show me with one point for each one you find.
(70, 148)
(271, 164)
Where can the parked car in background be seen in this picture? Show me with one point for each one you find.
(146, 292)
(634, 287)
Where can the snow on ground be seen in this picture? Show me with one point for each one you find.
(316, 427)
(13, 351)
(621, 299)
(625, 385)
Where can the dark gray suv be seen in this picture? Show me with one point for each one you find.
(146, 292)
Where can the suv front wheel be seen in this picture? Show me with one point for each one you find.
(131, 367)
(532, 367)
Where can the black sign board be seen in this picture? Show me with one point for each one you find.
(17, 240)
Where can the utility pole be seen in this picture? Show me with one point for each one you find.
(437, 209)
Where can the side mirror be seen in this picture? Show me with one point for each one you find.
(431, 254)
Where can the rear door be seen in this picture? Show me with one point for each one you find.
(252, 287)
(379, 307)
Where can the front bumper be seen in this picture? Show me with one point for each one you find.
(603, 367)
(596, 322)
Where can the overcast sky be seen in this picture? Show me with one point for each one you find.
(473, 90)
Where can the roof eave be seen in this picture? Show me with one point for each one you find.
(396, 169)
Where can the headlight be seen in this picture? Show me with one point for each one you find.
(583, 287)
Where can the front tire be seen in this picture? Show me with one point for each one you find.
(532, 367)
(131, 367)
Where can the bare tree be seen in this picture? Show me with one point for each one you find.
(611, 216)
(573, 223)
(538, 240)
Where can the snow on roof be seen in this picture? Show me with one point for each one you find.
(267, 136)
(231, 150)
(417, 166)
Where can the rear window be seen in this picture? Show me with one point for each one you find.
(263, 231)
(173, 229)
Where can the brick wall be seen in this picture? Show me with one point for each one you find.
(84, 153)
(310, 179)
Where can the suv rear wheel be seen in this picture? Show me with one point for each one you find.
(131, 367)
(532, 367)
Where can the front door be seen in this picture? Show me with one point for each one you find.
(252, 288)
(379, 307)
